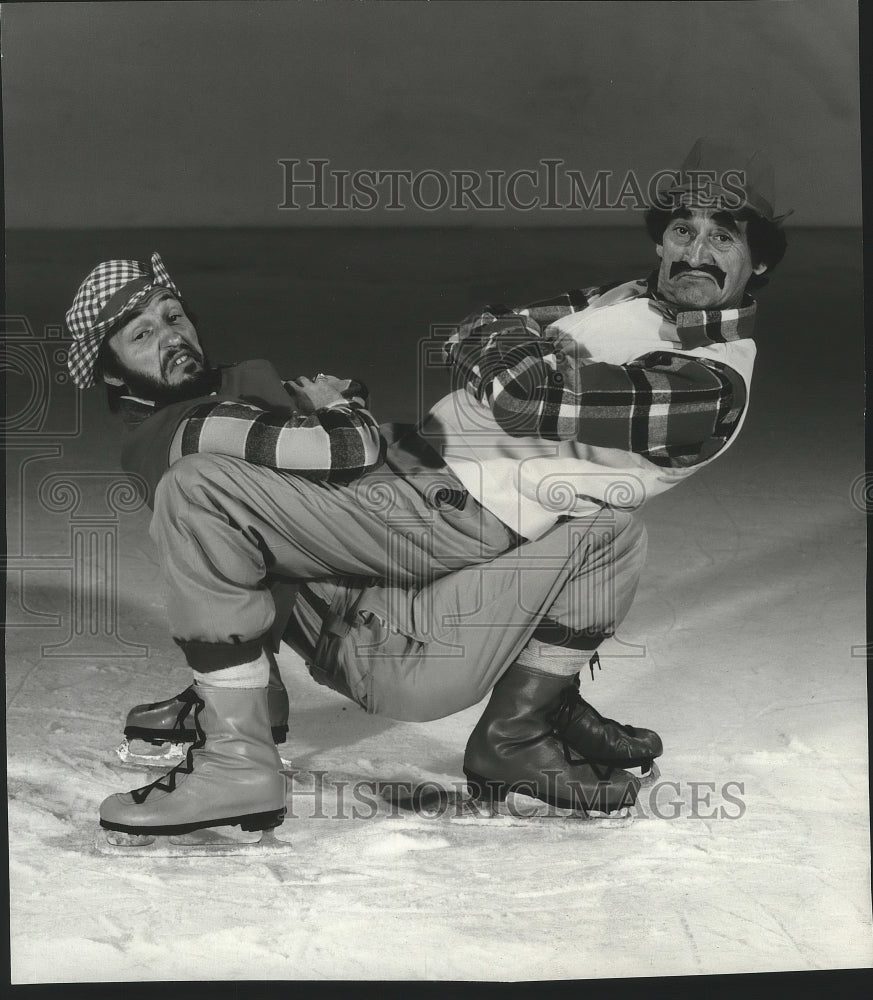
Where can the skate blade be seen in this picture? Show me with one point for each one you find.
(425, 798)
(651, 775)
(433, 802)
(214, 842)
(618, 818)
(646, 773)
(521, 808)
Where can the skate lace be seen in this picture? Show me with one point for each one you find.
(560, 718)
(167, 782)
(189, 700)
(601, 769)
(591, 663)
(571, 700)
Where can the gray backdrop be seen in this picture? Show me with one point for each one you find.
(132, 114)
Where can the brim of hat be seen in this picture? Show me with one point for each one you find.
(122, 308)
(719, 197)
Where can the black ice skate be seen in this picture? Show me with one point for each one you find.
(513, 748)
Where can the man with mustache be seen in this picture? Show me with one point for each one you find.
(573, 408)
(391, 647)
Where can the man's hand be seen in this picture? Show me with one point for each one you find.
(313, 394)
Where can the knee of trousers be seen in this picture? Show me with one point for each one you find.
(619, 549)
(189, 483)
(187, 474)
(617, 533)
(631, 540)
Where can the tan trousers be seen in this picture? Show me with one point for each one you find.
(222, 525)
(224, 528)
(423, 653)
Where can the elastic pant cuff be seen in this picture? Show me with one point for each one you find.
(208, 656)
(552, 633)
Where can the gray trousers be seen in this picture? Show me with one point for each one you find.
(223, 527)
(422, 653)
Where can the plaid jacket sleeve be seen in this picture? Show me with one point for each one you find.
(336, 443)
(673, 409)
(479, 333)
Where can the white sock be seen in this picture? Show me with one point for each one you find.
(255, 674)
(548, 659)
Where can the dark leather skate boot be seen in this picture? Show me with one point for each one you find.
(172, 721)
(514, 747)
(600, 741)
(230, 777)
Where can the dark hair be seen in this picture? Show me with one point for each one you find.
(767, 241)
(105, 364)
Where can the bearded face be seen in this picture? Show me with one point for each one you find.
(157, 353)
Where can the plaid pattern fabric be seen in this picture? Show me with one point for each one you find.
(672, 409)
(692, 328)
(699, 327)
(533, 318)
(336, 444)
(110, 290)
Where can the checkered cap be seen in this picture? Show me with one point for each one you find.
(112, 289)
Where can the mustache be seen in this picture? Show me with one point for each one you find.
(679, 267)
(174, 353)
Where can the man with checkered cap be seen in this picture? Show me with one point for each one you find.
(132, 328)
(615, 394)
(113, 289)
